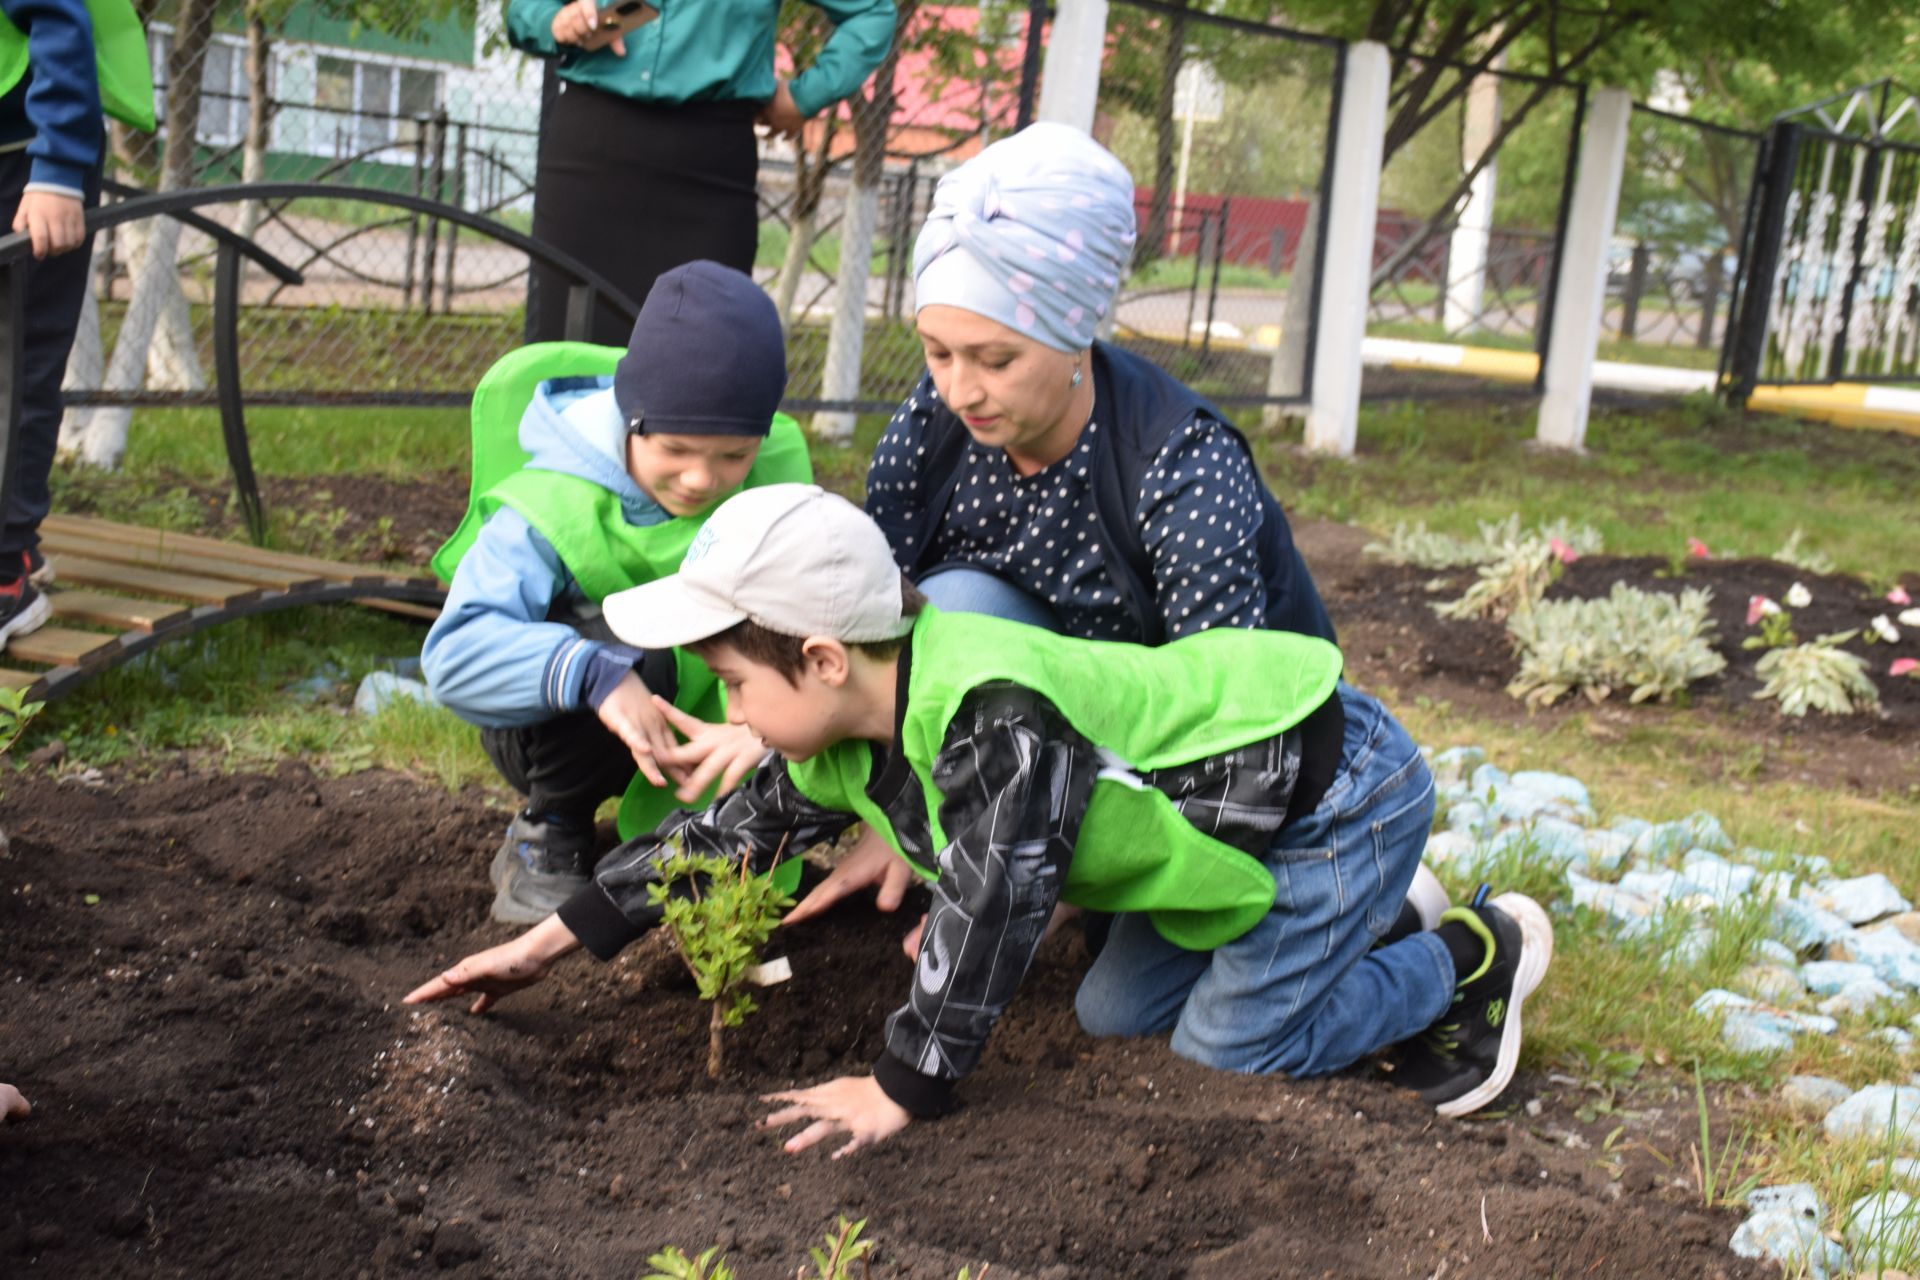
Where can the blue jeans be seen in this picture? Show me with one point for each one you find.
(1303, 992)
(963, 589)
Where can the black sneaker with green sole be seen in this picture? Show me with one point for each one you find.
(1467, 1058)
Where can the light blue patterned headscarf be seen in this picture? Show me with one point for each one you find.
(1034, 232)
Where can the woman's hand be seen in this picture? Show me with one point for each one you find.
(854, 1105)
(727, 752)
(502, 970)
(782, 115)
(578, 21)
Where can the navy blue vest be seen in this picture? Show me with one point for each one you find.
(1142, 407)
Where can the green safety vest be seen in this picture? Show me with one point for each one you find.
(1151, 707)
(119, 55)
(584, 524)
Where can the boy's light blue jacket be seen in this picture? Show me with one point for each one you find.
(493, 656)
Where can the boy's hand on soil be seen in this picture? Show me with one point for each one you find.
(629, 712)
(869, 862)
(12, 1105)
(727, 752)
(855, 1105)
(502, 970)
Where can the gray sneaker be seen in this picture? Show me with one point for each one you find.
(539, 866)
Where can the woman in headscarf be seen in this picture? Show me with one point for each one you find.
(1038, 474)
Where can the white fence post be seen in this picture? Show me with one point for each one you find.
(1582, 271)
(1346, 276)
(1070, 76)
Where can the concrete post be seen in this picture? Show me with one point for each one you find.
(1070, 77)
(1346, 279)
(1582, 269)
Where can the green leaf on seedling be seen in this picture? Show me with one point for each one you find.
(91, 899)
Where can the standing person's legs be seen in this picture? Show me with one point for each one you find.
(1306, 991)
(633, 190)
(55, 290)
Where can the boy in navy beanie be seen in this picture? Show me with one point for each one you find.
(623, 472)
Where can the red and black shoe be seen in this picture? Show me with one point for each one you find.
(39, 568)
(22, 609)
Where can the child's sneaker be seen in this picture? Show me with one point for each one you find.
(1425, 904)
(39, 568)
(539, 866)
(1466, 1059)
(22, 609)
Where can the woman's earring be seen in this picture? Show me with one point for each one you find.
(1076, 376)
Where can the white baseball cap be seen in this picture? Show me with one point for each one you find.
(792, 557)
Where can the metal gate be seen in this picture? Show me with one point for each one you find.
(1829, 279)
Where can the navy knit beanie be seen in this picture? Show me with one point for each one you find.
(706, 359)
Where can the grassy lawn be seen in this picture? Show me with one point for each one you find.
(1615, 1016)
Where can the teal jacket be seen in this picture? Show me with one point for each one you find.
(715, 50)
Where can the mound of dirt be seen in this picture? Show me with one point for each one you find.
(202, 981)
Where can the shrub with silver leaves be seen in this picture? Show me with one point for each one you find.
(1415, 544)
(1650, 644)
(1817, 676)
(1791, 552)
(1510, 586)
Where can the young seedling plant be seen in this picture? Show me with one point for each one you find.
(718, 925)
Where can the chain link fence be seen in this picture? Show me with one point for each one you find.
(1226, 125)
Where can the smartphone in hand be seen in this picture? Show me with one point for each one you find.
(617, 19)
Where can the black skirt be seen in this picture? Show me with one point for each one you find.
(634, 189)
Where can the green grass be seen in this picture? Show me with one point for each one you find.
(1683, 355)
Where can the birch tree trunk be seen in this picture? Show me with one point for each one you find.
(253, 155)
(809, 185)
(100, 439)
(840, 380)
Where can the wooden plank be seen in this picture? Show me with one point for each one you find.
(405, 608)
(57, 646)
(115, 611)
(93, 526)
(175, 561)
(11, 679)
(151, 582)
(169, 557)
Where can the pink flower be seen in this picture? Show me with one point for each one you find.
(1561, 551)
(1904, 666)
(1899, 596)
(1698, 549)
(1759, 607)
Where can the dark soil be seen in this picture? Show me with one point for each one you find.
(1397, 646)
(202, 1000)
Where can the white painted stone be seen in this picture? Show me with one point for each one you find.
(1828, 977)
(1861, 898)
(1792, 1242)
(1877, 1113)
(1815, 1094)
(1882, 1227)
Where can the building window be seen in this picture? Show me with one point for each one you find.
(223, 87)
(378, 103)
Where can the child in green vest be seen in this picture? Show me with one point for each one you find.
(621, 473)
(1016, 770)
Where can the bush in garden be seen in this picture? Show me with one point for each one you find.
(1652, 645)
(16, 713)
(1414, 544)
(1817, 676)
(1509, 586)
(718, 926)
(844, 1247)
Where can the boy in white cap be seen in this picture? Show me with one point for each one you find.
(1015, 769)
